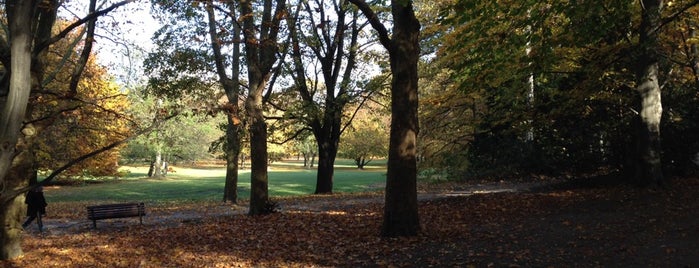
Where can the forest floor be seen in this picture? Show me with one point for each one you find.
(572, 223)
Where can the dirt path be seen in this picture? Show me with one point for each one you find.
(161, 219)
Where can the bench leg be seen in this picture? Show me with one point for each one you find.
(94, 224)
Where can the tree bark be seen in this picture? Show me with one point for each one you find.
(327, 152)
(259, 189)
(260, 55)
(649, 166)
(329, 49)
(27, 51)
(231, 85)
(400, 210)
(13, 211)
(20, 16)
(230, 192)
(11, 233)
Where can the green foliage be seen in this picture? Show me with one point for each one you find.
(186, 137)
(367, 138)
(479, 118)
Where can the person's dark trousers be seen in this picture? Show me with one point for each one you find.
(31, 218)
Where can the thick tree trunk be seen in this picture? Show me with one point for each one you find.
(327, 152)
(260, 55)
(400, 211)
(20, 14)
(12, 212)
(157, 164)
(15, 106)
(649, 166)
(331, 52)
(328, 138)
(259, 191)
(361, 161)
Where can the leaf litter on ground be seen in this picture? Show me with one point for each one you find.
(559, 227)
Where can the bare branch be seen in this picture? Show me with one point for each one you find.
(375, 22)
(12, 194)
(79, 22)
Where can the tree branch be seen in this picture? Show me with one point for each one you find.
(79, 22)
(85, 54)
(6, 197)
(375, 22)
(676, 14)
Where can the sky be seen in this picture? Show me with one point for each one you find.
(123, 48)
(122, 37)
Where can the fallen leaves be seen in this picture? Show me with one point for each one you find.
(617, 226)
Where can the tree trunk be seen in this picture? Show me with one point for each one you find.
(259, 191)
(331, 53)
(157, 172)
(20, 15)
(400, 210)
(361, 162)
(327, 151)
(260, 55)
(11, 235)
(649, 166)
(12, 212)
(230, 192)
(232, 88)
(400, 216)
(15, 106)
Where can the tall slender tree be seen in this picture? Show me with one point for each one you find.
(231, 85)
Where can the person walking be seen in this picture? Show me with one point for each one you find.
(36, 207)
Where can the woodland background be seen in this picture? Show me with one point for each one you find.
(444, 91)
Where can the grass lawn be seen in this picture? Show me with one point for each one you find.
(286, 178)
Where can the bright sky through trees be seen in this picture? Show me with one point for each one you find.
(123, 38)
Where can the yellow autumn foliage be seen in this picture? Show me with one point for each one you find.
(74, 125)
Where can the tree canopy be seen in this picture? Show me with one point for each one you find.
(582, 108)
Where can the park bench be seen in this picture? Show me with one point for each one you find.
(112, 211)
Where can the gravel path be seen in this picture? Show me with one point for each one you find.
(160, 219)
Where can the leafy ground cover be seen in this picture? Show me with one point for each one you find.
(567, 225)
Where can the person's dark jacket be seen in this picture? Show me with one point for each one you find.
(35, 203)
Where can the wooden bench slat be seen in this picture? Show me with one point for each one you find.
(111, 211)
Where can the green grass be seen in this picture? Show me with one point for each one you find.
(206, 184)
